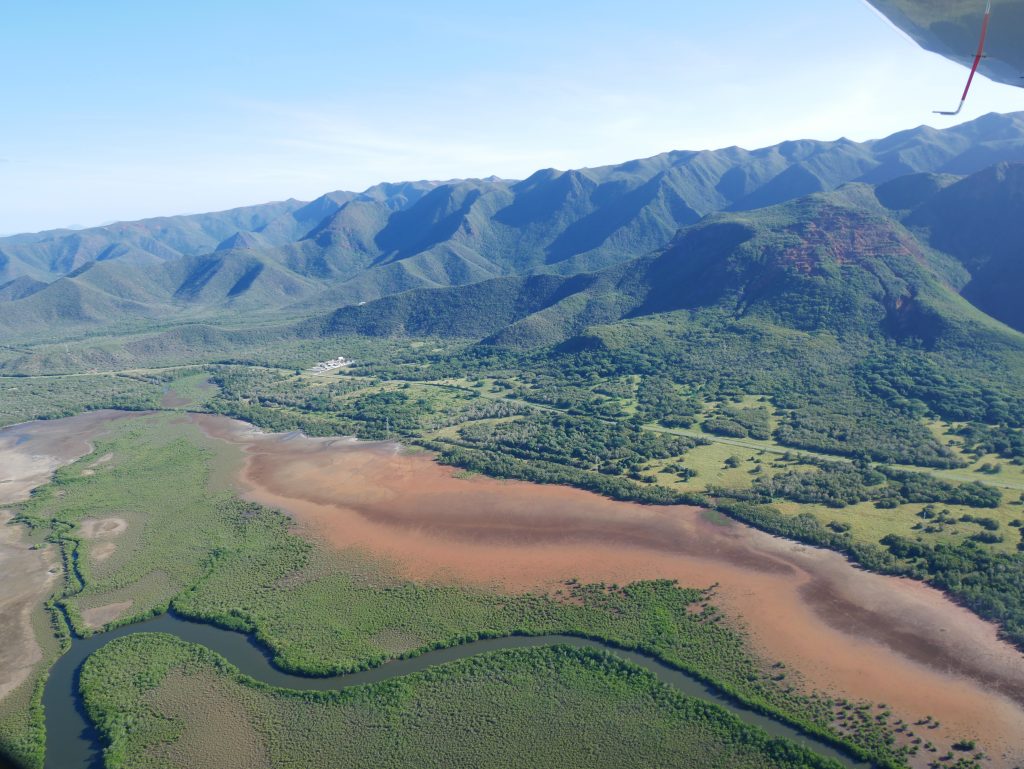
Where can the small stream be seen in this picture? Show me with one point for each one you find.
(73, 743)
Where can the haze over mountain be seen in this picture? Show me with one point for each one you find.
(291, 259)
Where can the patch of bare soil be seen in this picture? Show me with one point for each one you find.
(103, 528)
(29, 453)
(99, 616)
(102, 551)
(847, 631)
(27, 576)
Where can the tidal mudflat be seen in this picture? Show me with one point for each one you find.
(847, 631)
(29, 453)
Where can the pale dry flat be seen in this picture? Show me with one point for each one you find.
(103, 528)
(27, 577)
(29, 454)
(99, 616)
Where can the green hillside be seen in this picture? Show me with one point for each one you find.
(980, 221)
(835, 262)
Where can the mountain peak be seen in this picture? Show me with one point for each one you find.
(241, 240)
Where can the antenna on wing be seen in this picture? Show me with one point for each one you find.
(977, 59)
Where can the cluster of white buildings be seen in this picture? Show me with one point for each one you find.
(329, 365)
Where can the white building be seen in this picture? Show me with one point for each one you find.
(329, 365)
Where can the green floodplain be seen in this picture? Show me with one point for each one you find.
(900, 490)
(190, 545)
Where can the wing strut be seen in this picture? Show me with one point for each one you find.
(977, 59)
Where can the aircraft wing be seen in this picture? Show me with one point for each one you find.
(952, 27)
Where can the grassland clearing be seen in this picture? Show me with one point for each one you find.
(100, 616)
(188, 392)
(102, 528)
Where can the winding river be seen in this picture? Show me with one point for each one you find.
(72, 742)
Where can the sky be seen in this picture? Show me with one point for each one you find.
(122, 110)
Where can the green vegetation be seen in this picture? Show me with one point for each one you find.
(585, 443)
(156, 486)
(980, 572)
(365, 615)
(841, 484)
(215, 558)
(550, 417)
(22, 733)
(499, 465)
(660, 400)
(584, 452)
(740, 422)
(23, 399)
(188, 390)
(258, 262)
(981, 439)
(522, 415)
(151, 694)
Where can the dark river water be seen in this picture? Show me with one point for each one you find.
(72, 742)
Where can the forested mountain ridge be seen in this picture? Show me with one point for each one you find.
(980, 221)
(54, 253)
(833, 262)
(345, 248)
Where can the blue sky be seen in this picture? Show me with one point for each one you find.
(121, 110)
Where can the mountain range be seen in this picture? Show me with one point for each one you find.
(574, 246)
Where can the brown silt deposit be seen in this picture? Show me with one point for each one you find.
(849, 632)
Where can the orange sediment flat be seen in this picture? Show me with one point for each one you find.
(849, 632)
